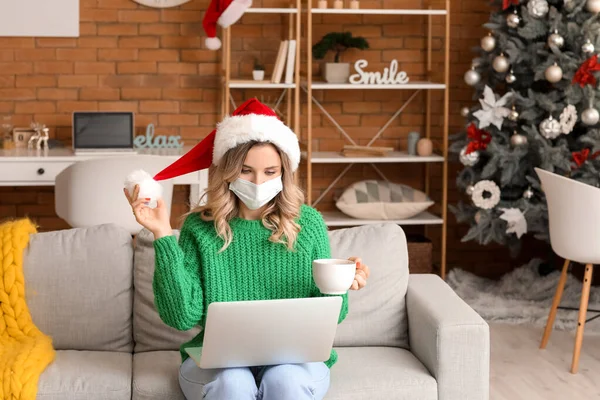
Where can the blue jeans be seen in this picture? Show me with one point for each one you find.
(279, 382)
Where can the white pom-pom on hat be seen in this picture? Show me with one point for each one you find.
(149, 188)
(212, 43)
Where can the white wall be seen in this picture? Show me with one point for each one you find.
(51, 18)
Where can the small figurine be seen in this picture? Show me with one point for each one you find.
(37, 137)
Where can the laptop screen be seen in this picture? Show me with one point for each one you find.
(103, 130)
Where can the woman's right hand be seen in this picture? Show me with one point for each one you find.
(156, 220)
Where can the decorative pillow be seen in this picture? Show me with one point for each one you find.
(381, 200)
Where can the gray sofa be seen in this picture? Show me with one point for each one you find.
(405, 337)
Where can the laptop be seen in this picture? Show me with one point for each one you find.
(268, 332)
(106, 132)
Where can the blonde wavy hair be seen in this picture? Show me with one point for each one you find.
(222, 204)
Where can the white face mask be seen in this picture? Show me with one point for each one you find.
(255, 196)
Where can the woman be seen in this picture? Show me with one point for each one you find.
(254, 239)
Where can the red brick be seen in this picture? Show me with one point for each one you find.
(56, 94)
(198, 56)
(85, 67)
(118, 106)
(16, 43)
(199, 107)
(17, 94)
(158, 55)
(141, 93)
(115, 4)
(177, 120)
(137, 67)
(76, 81)
(160, 107)
(181, 94)
(56, 42)
(139, 42)
(139, 16)
(163, 81)
(180, 16)
(159, 29)
(7, 55)
(177, 68)
(76, 54)
(99, 42)
(117, 54)
(28, 107)
(7, 81)
(96, 15)
(7, 106)
(88, 28)
(70, 106)
(180, 42)
(99, 94)
(117, 29)
(35, 54)
(36, 81)
(12, 68)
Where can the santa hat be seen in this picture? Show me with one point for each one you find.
(224, 13)
(252, 121)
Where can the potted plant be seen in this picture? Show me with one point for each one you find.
(258, 72)
(337, 42)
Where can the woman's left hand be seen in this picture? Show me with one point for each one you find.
(362, 274)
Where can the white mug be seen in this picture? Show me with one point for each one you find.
(333, 275)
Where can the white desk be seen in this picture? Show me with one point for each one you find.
(23, 167)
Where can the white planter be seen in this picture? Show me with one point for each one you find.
(258, 75)
(336, 72)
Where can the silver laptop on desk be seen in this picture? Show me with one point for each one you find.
(105, 132)
(268, 332)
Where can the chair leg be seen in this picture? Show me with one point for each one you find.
(555, 304)
(585, 295)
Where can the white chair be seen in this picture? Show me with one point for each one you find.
(574, 222)
(90, 192)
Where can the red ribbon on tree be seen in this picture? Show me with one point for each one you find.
(479, 139)
(508, 3)
(584, 76)
(582, 156)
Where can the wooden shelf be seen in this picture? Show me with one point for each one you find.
(250, 84)
(259, 10)
(349, 86)
(332, 157)
(374, 11)
(337, 218)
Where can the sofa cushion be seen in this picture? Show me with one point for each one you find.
(380, 373)
(87, 375)
(156, 376)
(78, 286)
(149, 331)
(377, 314)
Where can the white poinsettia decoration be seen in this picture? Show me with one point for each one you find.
(492, 110)
(486, 194)
(568, 119)
(515, 220)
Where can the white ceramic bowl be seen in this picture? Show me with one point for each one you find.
(334, 275)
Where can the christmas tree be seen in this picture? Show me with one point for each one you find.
(536, 101)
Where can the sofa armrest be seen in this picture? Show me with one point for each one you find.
(449, 338)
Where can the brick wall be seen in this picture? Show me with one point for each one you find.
(152, 62)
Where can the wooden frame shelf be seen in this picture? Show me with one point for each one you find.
(332, 157)
(338, 219)
(372, 11)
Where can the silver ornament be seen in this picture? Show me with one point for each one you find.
(513, 115)
(588, 47)
(528, 194)
(470, 190)
(511, 78)
(501, 63)
(538, 8)
(518, 140)
(513, 20)
(468, 160)
(488, 43)
(553, 73)
(550, 128)
(472, 77)
(593, 6)
(556, 40)
(590, 116)
(465, 111)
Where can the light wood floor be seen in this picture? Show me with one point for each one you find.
(520, 370)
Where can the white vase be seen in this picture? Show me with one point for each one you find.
(336, 72)
(258, 75)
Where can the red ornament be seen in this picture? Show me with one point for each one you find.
(584, 76)
(508, 3)
(479, 139)
(580, 157)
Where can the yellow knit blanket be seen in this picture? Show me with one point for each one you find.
(24, 350)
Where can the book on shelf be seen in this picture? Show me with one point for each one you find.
(286, 57)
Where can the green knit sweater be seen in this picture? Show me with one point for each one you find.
(191, 274)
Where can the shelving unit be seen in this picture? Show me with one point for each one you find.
(338, 219)
(291, 90)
